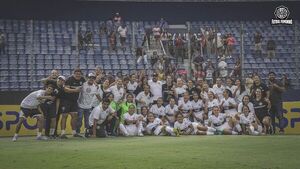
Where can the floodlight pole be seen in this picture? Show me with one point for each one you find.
(77, 43)
(297, 55)
(189, 49)
(31, 55)
(242, 54)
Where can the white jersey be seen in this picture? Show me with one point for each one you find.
(239, 96)
(218, 91)
(180, 91)
(226, 106)
(157, 111)
(131, 87)
(99, 92)
(118, 93)
(217, 121)
(99, 114)
(250, 105)
(232, 88)
(156, 89)
(211, 105)
(197, 106)
(185, 107)
(86, 95)
(133, 116)
(151, 126)
(171, 111)
(146, 98)
(31, 101)
(184, 126)
(247, 120)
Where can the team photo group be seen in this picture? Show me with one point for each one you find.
(156, 104)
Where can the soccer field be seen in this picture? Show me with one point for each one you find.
(266, 152)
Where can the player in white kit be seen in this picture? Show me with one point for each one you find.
(197, 107)
(249, 122)
(158, 109)
(228, 104)
(210, 103)
(133, 124)
(218, 121)
(185, 106)
(170, 111)
(186, 127)
(30, 108)
(155, 127)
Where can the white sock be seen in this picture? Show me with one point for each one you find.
(16, 135)
(238, 127)
(52, 131)
(209, 133)
(210, 129)
(255, 133)
(63, 132)
(123, 129)
(73, 132)
(234, 133)
(170, 130)
(251, 129)
(39, 134)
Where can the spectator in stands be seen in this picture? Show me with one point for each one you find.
(210, 38)
(276, 90)
(156, 33)
(167, 89)
(271, 47)
(222, 66)
(210, 72)
(112, 41)
(257, 43)
(122, 30)
(117, 19)
(198, 61)
(160, 64)
(194, 43)
(141, 55)
(179, 48)
(199, 72)
(80, 40)
(237, 70)
(2, 43)
(230, 43)
(220, 47)
(154, 58)
(146, 38)
(163, 24)
(88, 38)
(102, 29)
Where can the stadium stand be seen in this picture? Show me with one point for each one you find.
(34, 48)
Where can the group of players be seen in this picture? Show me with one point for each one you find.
(139, 105)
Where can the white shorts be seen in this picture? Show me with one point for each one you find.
(223, 127)
(198, 115)
(132, 130)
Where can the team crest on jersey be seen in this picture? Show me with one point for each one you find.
(282, 13)
(88, 90)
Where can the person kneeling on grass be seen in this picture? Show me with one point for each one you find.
(186, 127)
(30, 108)
(249, 122)
(132, 124)
(98, 119)
(156, 127)
(224, 124)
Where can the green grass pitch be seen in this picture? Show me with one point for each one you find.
(189, 152)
